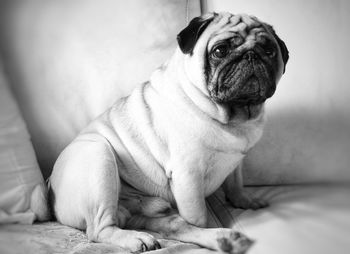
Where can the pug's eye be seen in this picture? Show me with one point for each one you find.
(221, 51)
(269, 51)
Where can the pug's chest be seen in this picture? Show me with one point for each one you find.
(223, 156)
(218, 166)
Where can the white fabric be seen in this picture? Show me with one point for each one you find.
(306, 139)
(300, 219)
(19, 171)
(72, 59)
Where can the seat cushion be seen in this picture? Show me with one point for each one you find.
(300, 219)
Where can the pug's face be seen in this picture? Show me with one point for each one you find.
(243, 59)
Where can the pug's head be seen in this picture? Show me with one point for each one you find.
(242, 58)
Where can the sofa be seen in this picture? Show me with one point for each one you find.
(65, 62)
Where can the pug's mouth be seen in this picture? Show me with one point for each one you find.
(245, 112)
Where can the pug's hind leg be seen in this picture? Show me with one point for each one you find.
(237, 196)
(87, 185)
(108, 216)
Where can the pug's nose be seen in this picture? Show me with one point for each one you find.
(250, 55)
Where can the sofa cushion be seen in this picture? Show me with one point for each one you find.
(300, 219)
(70, 60)
(20, 177)
(306, 138)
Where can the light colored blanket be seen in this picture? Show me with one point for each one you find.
(300, 219)
(52, 237)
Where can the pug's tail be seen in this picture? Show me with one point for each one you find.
(39, 203)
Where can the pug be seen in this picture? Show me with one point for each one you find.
(149, 161)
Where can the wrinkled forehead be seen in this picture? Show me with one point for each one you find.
(229, 25)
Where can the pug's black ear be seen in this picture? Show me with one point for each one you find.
(283, 47)
(188, 37)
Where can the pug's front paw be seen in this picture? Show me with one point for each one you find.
(233, 242)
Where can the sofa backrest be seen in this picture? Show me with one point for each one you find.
(307, 136)
(70, 60)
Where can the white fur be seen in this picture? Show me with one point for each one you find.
(168, 139)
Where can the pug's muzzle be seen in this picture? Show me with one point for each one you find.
(243, 78)
(246, 80)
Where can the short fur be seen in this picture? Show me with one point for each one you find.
(150, 160)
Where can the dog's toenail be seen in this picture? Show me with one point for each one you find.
(157, 244)
(143, 247)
